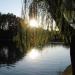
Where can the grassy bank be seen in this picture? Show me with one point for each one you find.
(68, 71)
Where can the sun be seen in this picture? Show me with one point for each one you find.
(33, 23)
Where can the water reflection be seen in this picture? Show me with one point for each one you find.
(49, 60)
(9, 53)
(33, 54)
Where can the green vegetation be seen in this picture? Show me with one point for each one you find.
(35, 37)
(53, 10)
(68, 71)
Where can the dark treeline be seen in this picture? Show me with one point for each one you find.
(8, 26)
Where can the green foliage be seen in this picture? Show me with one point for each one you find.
(35, 37)
(69, 15)
(30, 37)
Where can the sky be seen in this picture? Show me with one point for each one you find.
(11, 6)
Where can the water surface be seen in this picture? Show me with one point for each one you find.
(49, 60)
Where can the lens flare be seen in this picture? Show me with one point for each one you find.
(33, 23)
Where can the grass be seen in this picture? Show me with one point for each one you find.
(68, 71)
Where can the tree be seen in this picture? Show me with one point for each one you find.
(62, 11)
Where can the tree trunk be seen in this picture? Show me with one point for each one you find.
(72, 53)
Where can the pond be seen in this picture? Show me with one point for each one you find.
(49, 60)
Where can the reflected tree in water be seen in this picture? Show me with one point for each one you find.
(10, 54)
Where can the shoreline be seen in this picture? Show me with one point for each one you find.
(68, 70)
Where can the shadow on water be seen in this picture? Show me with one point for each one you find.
(9, 53)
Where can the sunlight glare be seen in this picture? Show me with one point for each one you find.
(33, 23)
(33, 54)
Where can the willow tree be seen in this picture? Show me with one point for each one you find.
(33, 10)
(25, 9)
(63, 12)
(43, 16)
